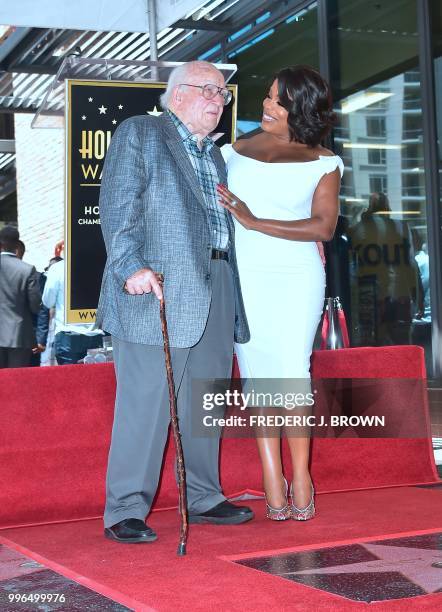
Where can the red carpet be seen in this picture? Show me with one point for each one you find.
(53, 449)
(55, 435)
(203, 580)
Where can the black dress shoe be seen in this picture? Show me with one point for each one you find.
(130, 531)
(224, 513)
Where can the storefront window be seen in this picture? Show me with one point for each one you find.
(376, 84)
(436, 21)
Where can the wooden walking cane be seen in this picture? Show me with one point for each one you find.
(182, 496)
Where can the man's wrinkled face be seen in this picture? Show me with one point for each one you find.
(200, 115)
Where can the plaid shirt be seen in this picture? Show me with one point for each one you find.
(208, 179)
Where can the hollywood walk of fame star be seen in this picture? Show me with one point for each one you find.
(102, 109)
(114, 121)
(120, 106)
(90, 99)
(155, 112)
(413, 563)
(83, 117)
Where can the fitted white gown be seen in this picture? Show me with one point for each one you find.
(282, 281)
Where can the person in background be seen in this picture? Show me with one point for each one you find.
(46, 329)
(423, 262)
(71, 341)
(382, 260)
(40, 321)
(20, 298)
(421, 328)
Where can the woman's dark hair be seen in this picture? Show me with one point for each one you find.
(306, 96)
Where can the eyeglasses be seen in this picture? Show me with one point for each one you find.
(210, 90)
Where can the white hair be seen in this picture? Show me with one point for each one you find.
(180, 74)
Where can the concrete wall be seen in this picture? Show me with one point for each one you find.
(40, 189)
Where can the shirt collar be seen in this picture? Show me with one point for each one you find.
(186, 134)
(8, 253)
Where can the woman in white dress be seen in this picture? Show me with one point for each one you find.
(283, 194)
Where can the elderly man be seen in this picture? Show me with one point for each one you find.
(159, 213)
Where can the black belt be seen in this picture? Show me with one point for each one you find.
(216, 254)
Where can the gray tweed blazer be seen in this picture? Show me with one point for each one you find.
(153, 214)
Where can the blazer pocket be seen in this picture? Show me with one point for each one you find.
(134, 309)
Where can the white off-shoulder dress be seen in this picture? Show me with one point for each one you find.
(282, 281)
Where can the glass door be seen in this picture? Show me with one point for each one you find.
(384, 278)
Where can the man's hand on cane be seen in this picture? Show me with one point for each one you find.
(143, 281)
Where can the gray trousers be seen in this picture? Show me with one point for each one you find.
(142, 417)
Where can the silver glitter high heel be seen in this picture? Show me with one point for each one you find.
(303, 514)
(279, 514)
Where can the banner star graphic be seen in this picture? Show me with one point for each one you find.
(155, 112)
(413, 563)
(114, 121)
(102, 109)
(83, 117)
(90, 99)
(120, 106)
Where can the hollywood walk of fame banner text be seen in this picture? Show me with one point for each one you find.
(94, 111)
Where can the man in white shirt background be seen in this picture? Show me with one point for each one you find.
(71, 341)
